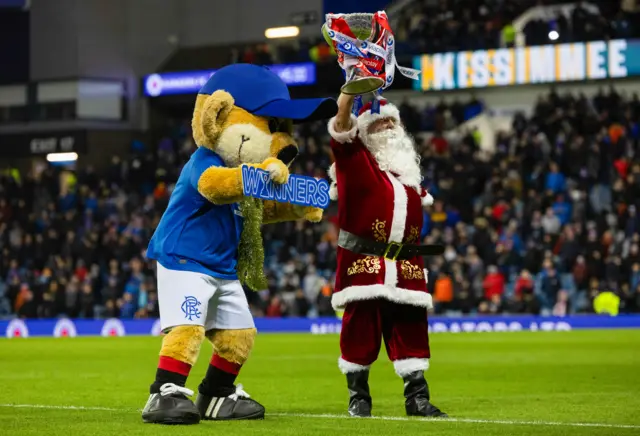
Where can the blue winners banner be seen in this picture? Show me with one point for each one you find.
(300, 190)
(190, 82)
(595, 60)
(143, 327)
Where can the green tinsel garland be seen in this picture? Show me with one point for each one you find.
(251, 250)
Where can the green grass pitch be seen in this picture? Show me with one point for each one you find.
(542, 383)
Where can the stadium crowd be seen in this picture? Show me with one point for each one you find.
(438, 26)
(458, 25)
(543, 225)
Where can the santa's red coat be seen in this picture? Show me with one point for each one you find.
(374, 204)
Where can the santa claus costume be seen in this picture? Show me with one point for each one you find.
(380, 279)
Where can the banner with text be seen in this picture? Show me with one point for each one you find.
(299, 190)
(580, 61)
(22, 145)
(63, 327)
(190, 82)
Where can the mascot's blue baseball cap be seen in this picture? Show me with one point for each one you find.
(261, 92)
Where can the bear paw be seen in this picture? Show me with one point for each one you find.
(313, 214)
(309, 213)
(278, 171)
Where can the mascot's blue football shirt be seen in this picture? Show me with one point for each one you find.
(195, 234)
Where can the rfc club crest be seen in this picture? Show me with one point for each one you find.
(65, 328)
(17, 328)
(113, 327)
(190, 308)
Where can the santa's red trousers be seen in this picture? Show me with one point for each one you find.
(365, 323)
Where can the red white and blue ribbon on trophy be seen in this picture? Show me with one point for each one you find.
(373, 58)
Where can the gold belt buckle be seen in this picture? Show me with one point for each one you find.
(396, 254)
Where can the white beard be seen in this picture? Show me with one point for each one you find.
(395, 152)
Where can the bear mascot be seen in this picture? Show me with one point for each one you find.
(209, 243)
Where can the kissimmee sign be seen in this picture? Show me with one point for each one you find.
(594, 60)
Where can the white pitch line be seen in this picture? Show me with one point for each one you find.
(47, 406)
(464, 420)
(378, 418)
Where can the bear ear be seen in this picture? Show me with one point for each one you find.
(211, 115)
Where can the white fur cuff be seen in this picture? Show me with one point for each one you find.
(333, 189)
(348, 367)
(342, 137)
(405, 367)
(333, 192)
(429, 299)
(332, 172)
(427, 200)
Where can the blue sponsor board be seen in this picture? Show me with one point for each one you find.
(143, 327)
(580, 61)
(300, 190)
(14, 4)
(190, 82)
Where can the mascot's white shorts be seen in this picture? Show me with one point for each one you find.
(191, 298)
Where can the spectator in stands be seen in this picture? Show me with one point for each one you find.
(493, 283)
(566, 213)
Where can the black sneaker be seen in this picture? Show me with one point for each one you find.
(171, 406)
(236, 406)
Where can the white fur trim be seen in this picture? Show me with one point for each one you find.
(275, 171)
(398, 222)
(333, 192)
(429, 305)
(332, 172)
(369, 292)
(390, 273)
(426, 280)
(333, 189)
(348, 367)
(427, 200)
(400, 204)
(405, 367)
(342, 137)
(367, 118)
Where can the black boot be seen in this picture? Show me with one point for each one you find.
(359, 397)
(170, 406)
(236, 406)
(416, 392)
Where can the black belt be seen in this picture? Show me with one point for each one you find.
(392, 250)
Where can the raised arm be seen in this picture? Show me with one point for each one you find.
(343, 117)
(342, 127)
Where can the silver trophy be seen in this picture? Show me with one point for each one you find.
(353, 36)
